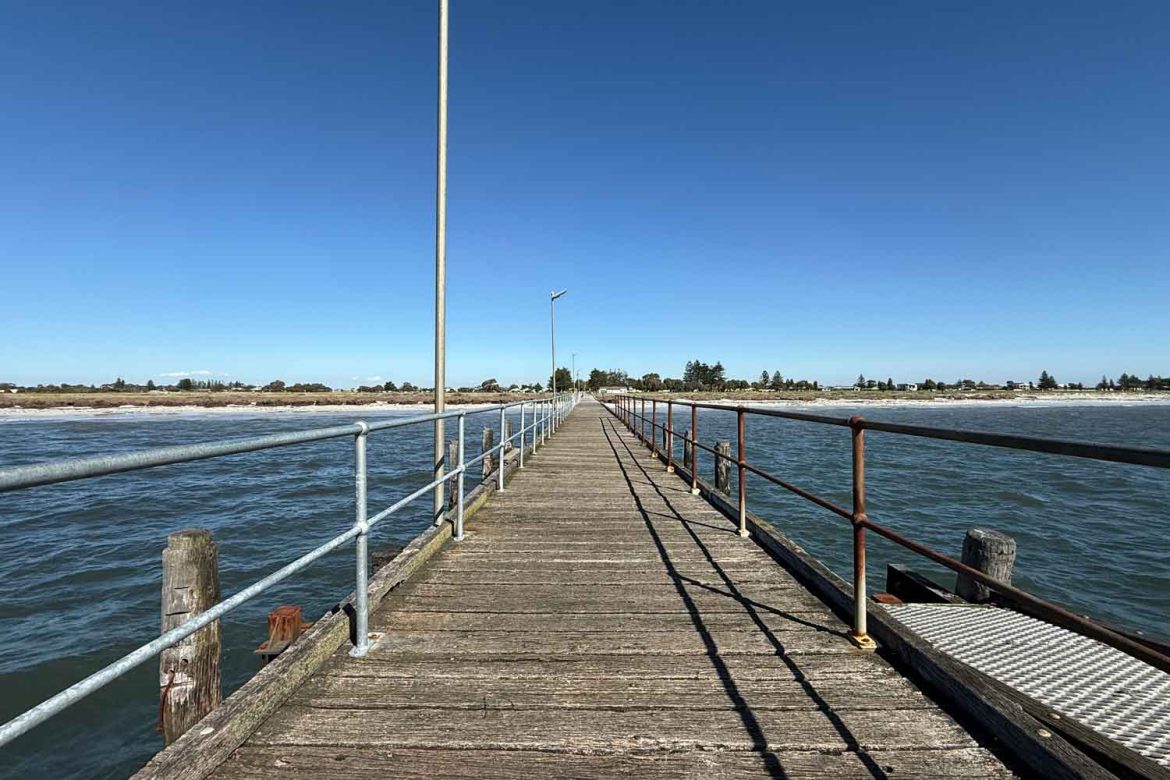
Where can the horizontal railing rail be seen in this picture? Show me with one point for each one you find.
(547, 414)
(632, 411)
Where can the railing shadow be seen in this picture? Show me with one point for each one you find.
(751, 723)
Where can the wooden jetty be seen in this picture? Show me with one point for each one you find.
(599, 620)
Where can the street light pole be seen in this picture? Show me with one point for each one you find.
(573, 372)
(552, 313)
(441, 264)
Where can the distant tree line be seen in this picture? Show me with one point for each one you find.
(696, 376)
(1134, 382)
(700, 376)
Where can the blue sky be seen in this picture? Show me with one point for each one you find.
(895, 189)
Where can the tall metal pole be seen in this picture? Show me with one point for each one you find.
(441, 262)
(552, 314)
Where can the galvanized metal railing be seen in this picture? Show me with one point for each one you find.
(547, 414)
(631, 410)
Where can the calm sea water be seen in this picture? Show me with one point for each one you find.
(79, 562)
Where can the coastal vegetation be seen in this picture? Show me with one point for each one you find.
(99, 399)
(699, 379)
(698, 376)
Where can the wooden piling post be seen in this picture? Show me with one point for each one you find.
(687, 450)
(452, 463)
(488, 435)
(990, 552)
(189, 672)
(509, 432)
(723, 467)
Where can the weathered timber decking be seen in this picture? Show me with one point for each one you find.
(598, 620)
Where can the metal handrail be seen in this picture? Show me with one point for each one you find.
(547, 414)
(632, 411)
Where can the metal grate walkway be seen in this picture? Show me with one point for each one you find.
(1108, 691)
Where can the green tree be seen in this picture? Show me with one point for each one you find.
(651, 382)
(149, 384)
(275, 386)
(1047, 382)
(186, 384)
(777, 380)
(860, 381)
(564, 380)
(764, 379)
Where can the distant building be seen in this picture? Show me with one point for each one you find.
(612, 390)
(909, 387)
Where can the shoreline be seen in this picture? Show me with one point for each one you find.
(127, 410)
(76, 410)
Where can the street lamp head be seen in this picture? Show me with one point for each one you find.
(554, 295)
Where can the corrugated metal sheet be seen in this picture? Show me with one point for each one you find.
(1112, 693)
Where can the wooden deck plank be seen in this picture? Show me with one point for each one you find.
(599, 731)
(600, 621)
(261, 763)
(857, 691)
(523, 668)
(605, 623)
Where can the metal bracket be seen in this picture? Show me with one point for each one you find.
(865, 642)
(375, 638)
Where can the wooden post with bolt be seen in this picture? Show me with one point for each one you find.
(990, 552)
(189, 672)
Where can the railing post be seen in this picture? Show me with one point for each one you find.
(462, 474)
(642, 422)
(860, 635)
(503, 445)
(669, 437)
(694, 450)
(742, 463)
(522, 405)
(361, 588)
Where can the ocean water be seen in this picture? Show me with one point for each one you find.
(80, 562)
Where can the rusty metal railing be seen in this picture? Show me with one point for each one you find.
(631, 410)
